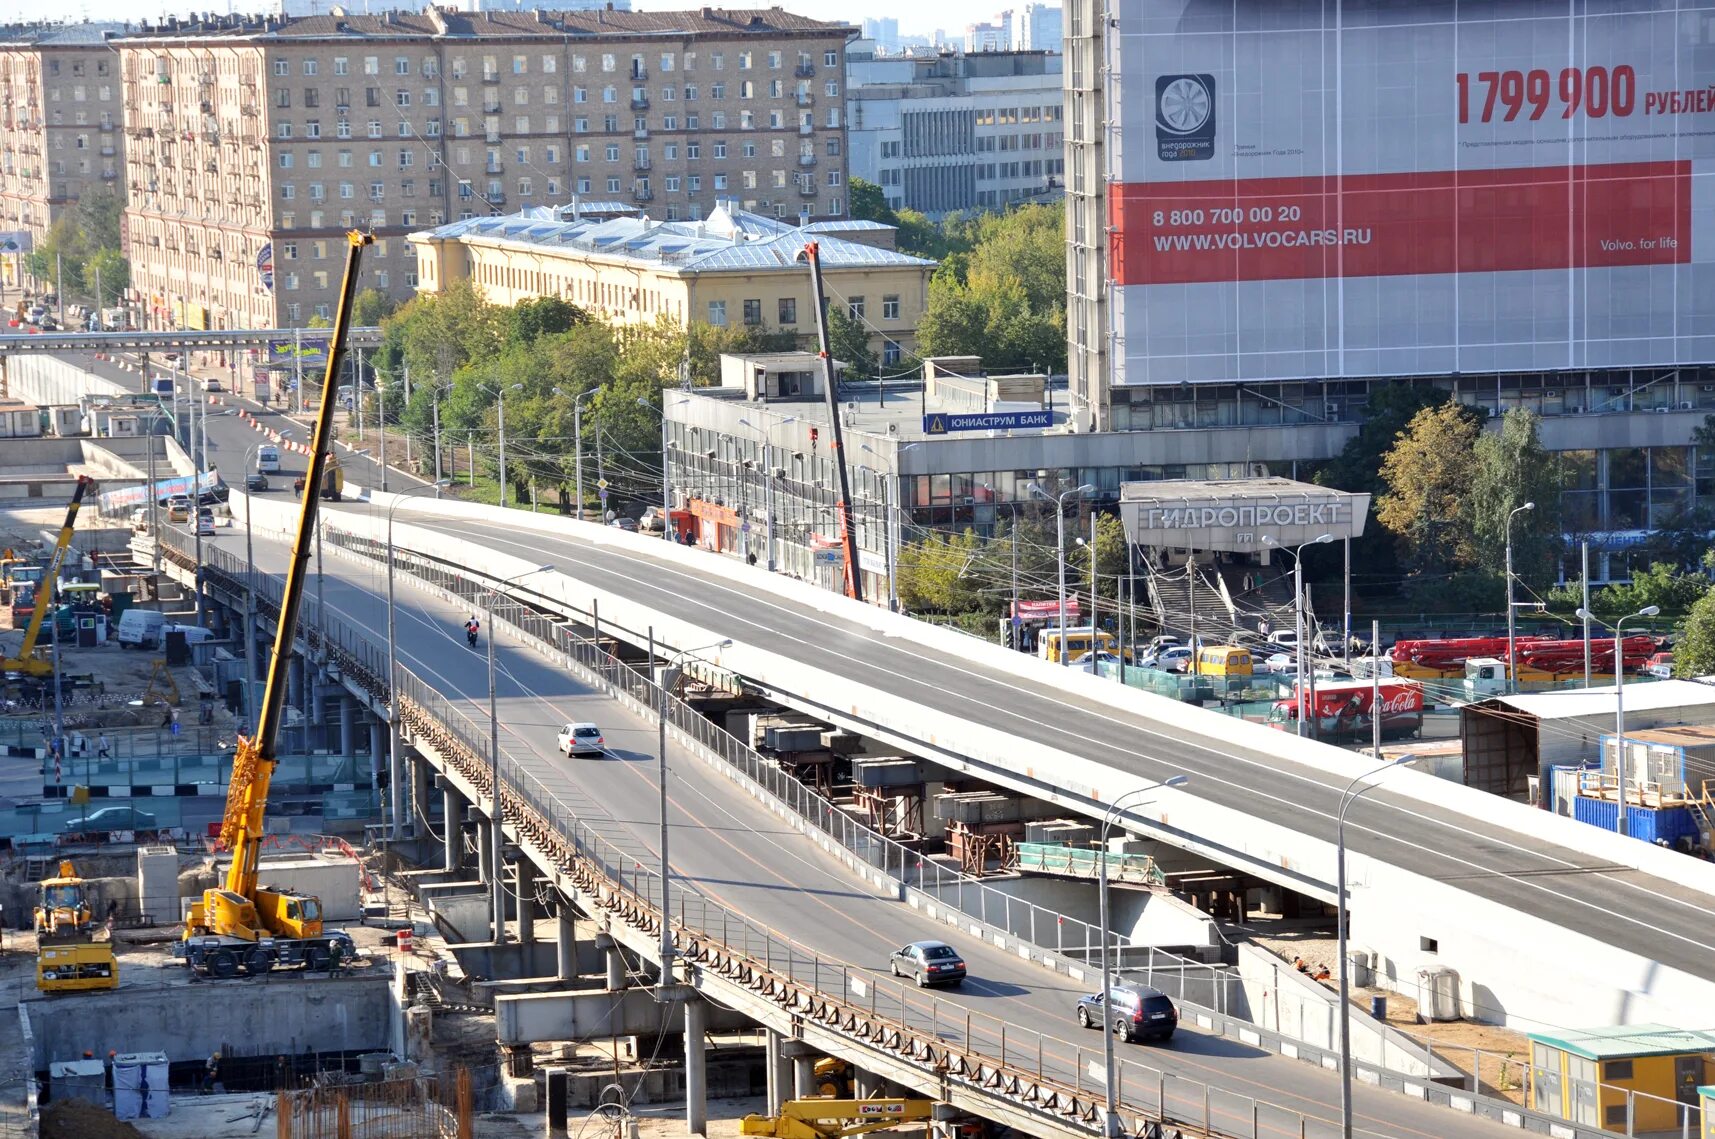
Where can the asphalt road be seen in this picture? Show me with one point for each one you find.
(724, 848)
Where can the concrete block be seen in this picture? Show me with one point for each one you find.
(518, 1094)
(333, 878)
(158, 884)
(462, 917)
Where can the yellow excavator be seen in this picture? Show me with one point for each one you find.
(26, 662)
(68, 957)
(62, 907)
(238, 925)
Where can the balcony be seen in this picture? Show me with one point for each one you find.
(107, 128)
(109, 175)
(489, 136)
(640, 102)
(640, 132)
(804, 70)
(805, 99)
(491, 107)
(496, 197)
(643, 193)
(806, 189)
(806, 128)
(495, 168)
(491, 77)
(638, 71)
(806, 160)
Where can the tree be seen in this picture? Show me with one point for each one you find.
(370, 307)
(1000, 292)
(1664, 584)
(1694, 651)
(848, 339)
(869, 203)
(109, 267)
(1426, 472)
(1512, 469)
(532, 319)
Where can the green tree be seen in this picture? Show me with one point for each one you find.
(370, 307)
(1664, 584)
(1427, 472)
(849, 341)
(869, 203)
(935, 574)
(1512, 469)
(1000, 292)
(112, 270)
(532, 319)
(1694, 651)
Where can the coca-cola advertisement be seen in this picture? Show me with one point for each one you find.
(1343, 710)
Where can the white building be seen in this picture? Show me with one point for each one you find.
(375, 7)
(1038, 29)
(990, 35)
(956, 132)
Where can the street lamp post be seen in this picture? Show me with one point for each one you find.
(1060, 554)
(395, 792)
(1300, 652)
(1110, 1086)
(1620, 708)
(1347, 798)
(1512, 635)
(498, 817)
(578, 446)
(669, 676)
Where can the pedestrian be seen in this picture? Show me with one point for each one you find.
(103, 748)
(211, 1072)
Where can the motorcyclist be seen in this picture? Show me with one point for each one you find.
(471, 628)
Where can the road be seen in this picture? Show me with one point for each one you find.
(726, 849)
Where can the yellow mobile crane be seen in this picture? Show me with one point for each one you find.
(240, 925)
(26, 661)
(835, 1118)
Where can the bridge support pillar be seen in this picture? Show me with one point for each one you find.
(526, 902)
(378, 755)
(347, 726)
(696, 1072)
(616, 976)
(452, 823)
(422, 790)
(294, 677)
(565, 944)
(803, 1077)
(779, 1075)
(484, 855)
(866, 1085)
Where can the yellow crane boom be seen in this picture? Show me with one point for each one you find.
(238, 909)
(835, 1118)
(26, 662)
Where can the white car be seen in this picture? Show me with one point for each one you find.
(205, 521)
(581, 739)
(1173, 658)
(1281, 662)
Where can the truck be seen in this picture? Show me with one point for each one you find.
(1342, 709)
(239, 925)
(332, 481)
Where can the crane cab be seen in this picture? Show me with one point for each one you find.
(287, 914)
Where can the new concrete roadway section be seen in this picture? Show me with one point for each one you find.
(725, 846)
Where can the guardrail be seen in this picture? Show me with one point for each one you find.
(953, 1047)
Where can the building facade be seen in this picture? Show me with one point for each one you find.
(1039, 28)
(990, 35)
(957, 132)
(60, 116)
(259, 143)
(732, 268)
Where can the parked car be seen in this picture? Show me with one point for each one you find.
(1131, 1012)
(581, 739)
(1173, 658)
(179, 508)
(928, 963)
(629, 525)
(140, 519)
(1660, 665)
(1281, 662)
(256, 482)
(110, 819)
(211, 384)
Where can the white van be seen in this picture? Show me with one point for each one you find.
(161, 385)
(141, 629)
(194, 634)
(268, 460)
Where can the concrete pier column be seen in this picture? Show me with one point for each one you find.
(347, 726)
(696, 1072)
(866, 1085)
(526, 895)
(452, 819)
(484, 853)
(565, 944)
(377, 751)
(779, 1075)
(417, 812)
(803, 1077)
(294, 679)
(616, 974)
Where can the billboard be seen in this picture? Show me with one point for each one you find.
(1302, 189)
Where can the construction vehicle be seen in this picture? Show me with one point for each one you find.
(332, 480)
(26, 661)
(240, 925)
(62, 907)
(77, 967)
(829, 1118)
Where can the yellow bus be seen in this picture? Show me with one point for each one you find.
(1078, 639)
(1222, 660)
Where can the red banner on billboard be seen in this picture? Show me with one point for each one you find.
(1046, 610)
(1381, 225)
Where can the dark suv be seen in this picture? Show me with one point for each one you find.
(1134, 1012)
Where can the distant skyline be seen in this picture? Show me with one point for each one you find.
(951, 15)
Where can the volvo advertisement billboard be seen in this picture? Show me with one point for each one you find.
(1352, 188)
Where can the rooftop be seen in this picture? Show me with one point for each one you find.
(85, 34)
(538, 23)
(1689, 735)
(1624, 1040)
(1198, 490)
(1641, 696)
(729, 239)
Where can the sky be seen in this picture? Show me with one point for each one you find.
(951, 15)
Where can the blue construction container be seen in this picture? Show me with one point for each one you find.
(1648, 824)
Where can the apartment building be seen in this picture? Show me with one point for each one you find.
(1040, 28)
(259, 142)
(731, 268)
(59, 121)
(955, 131)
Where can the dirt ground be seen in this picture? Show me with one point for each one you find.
(1500, 1053)
(78, 1119)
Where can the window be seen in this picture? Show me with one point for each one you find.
(612, 152)
(753, 312)
(788, 311)
(282, 67)
(720, 181)
(288, 251)
(717, 312)
(286, 162)
(774, 60)
(520, 64)
(401, 98)
(672, 184)
(401, 65)
(744, 61)
(284, 131)
(283, 97)
(313, 129)
(287, 191)
(720, 150)
(831, 58)
(1616, 1069)
(583, 185)
(309, 67)
(854, 308)
(315, 160)
(891, 353)
(581, 152)
(693, 150)
(341, 65)
(550, 64)
(372, 65)
(694, 183)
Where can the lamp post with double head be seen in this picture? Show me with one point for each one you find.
(1110, 1085)
(497, 816)
(1620, 706)
(669, 679)
(1347, 798)
(1512, 613)
(1301, 653)
(1059, 502)
(395, 791)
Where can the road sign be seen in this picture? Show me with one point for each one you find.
(942, 423)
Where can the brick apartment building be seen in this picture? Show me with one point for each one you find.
(59, 122)
(256, 143)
